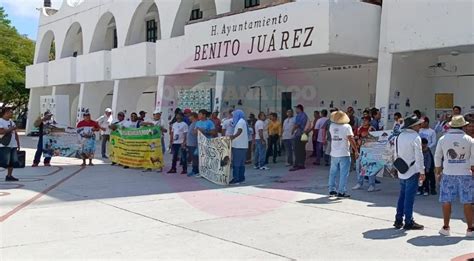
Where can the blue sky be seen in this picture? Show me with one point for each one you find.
(24, 15)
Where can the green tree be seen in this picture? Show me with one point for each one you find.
(16, 52)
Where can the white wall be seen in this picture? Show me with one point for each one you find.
(427, 24)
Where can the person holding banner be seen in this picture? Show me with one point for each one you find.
(104, 123)
(179, 131)
(192, 143)
(157, 122)
(86, 129)
(42, 123)
(240, 144)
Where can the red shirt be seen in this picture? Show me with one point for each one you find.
(90, 123)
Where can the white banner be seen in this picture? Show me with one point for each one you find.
(215, 159)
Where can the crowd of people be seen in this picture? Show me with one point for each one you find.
(422, 155)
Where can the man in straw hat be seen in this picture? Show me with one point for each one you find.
(342, 139)
(408, 149)
(454, 162)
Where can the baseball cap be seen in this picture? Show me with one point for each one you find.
(187, 111)
(108, 110)
(299, 106)
(47, 113)
(142, 112)
(157, 111)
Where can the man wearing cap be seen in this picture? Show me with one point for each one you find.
(142, 115)
(408, 148)
(342, 140)
(104, 123)
(454, 164)
(42, 123)
(298, 131)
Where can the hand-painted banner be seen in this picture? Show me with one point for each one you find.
(376, 155)
(215, 158)
(137, 148)
(62, 143)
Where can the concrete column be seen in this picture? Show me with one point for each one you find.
(73, 92)
(219, 91)
(384, 79)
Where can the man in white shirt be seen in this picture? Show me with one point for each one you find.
(408, 148)
(227, 127)
(454, 163)
(104, 123)
(9, 143)
(288, 137)
(342, 140)
(178, 134)
(320, 133)
(261, 135)
(428, 133)
(240, 144)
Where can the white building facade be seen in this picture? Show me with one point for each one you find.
(267, 55)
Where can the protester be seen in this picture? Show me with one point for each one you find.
(142, 116)
(261, 135)
(43, 124)
(87, 128)
(354, 121)
(457, 110)
(187, 115)
(288, 138)
(441, 125)
(158, 123)
(469, 129)
(408, 148)
(251, 123)
(178, 137)
(314, 138)
(362, 135)
(417, 113)
(217, 122)
(428, 133)
(274, 134)
(192, 143)
(454, 162)
(376, 122)
(227, 129)
(134, 121)
(342, 140)
(398, 122)
(9, 143)
(298, 131)
(239, 147)
(104, 123)
(320, 132)
(429, 185)
(327, 139)
(204, 125)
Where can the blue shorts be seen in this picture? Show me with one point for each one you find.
(8, 157)
(453, 186)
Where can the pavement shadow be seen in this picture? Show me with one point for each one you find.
(323, 200)
(384, 234)
(438, 240)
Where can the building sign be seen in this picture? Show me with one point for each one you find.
(273, 32)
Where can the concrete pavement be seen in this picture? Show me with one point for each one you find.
(106, 212)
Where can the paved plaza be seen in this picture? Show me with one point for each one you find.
(107, 212)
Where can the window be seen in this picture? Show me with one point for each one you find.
(151, 31)
(196, 14)
(251, 3)
(115, 38)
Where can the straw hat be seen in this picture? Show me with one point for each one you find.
(339, 117)
(458, 121)
(412, 121)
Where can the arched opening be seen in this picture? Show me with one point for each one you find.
(47, 49)
(73, 45)
(192, 10)
(145, 25)
(105, 34)
(240, 5)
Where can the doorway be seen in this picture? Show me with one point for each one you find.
(285, 104)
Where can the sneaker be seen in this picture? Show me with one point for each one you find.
(413, 226)
(234, 182)
(255, 167)
(242, 182)
(343, 195)
(198, 176)
(34, 165)
(264, 168)
(47, 164)
(357, 186)
(470, 232)
(171, 171)
(184, 172)
(398, 224)
(105, 157)
(371, 189)
(425, 194)
(333, 193)
(377, 181)
(419, 193)
(445, 231)
(10, 178)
